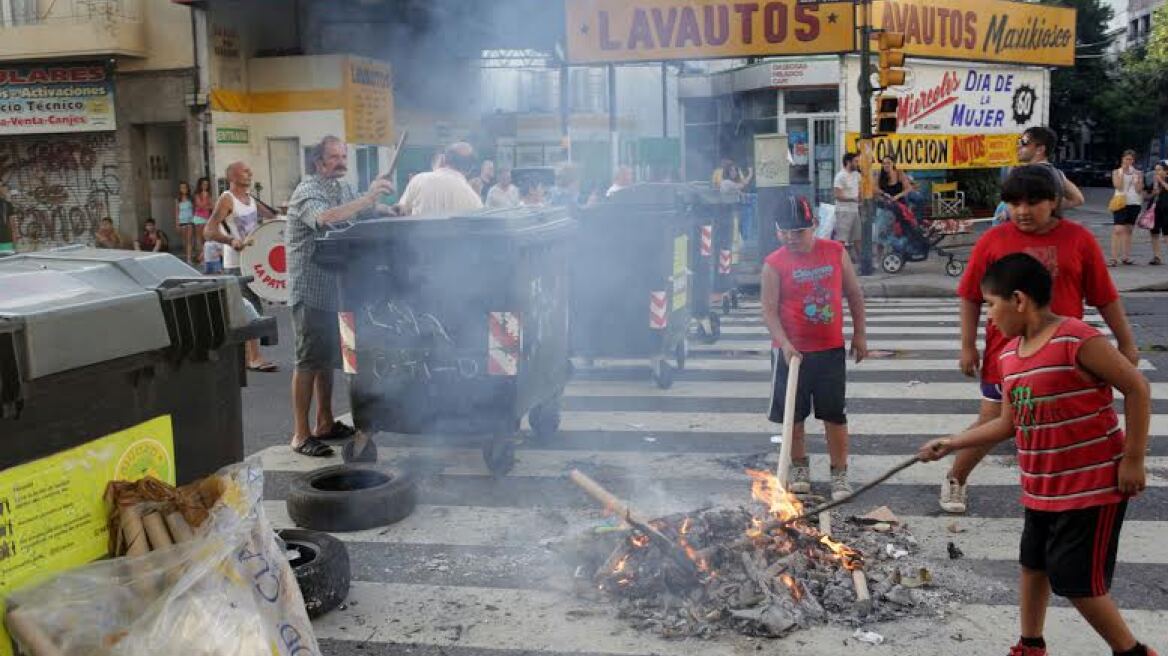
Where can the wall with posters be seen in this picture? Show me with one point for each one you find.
(48, 98)
(962, 98)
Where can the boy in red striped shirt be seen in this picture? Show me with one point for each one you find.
(1078, 467)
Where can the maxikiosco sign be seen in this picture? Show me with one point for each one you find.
(44, 98)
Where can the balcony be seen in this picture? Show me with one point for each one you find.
(71, 29)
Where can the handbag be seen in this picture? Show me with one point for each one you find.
(1147, 218)
(1118, 202)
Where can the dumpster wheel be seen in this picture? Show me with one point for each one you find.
(734, 298)
(499, 455)
(726, 304)
(681, 352)
(714, 333)
(545, 418)
(662, 373)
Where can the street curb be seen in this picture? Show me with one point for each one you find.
(1154, 287)
(885, 290)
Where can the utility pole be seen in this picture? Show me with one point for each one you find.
(867, 206)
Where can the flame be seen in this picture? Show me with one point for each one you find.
(846, 554)
(765, 487)
(685, 525)
(789, 581)
(693, 555)
(639, 541)
(620, 565)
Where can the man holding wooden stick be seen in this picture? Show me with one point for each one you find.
(803, 287)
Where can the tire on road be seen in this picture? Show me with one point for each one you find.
(321, 565)
(351, 497)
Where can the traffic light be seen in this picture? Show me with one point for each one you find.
(886, 105)
(891, 59)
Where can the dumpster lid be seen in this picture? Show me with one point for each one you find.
(518, 222)
(651, 193)
(81, 306)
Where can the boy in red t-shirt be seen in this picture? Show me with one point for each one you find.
(803, 286)
(1078, 466)
(1073, 257)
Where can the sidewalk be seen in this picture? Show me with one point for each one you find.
(928, 278)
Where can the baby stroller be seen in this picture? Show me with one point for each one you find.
(905, 239)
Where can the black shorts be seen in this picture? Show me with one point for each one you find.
(318, 338)
(822, 385)
(1161, 214)
(1076, 548)
(1126, 216)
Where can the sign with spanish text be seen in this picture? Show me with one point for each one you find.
(951, 98)
(608, 31)
(921, 152)
(986, 30)
(368, 91)
(53, 515)
(47, 98)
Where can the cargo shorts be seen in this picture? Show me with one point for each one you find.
(318, 338)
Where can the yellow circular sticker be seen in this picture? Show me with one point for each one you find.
(141, 459)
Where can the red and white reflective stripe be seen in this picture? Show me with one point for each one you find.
(724, 259)
(658, 310)
(348, 341)
(504, 342)
(707, 240)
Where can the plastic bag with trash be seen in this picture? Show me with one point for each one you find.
(228, 591)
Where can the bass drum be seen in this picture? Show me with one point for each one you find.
(265, 260)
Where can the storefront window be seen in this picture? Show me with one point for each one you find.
(811, 101)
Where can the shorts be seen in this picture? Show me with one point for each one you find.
(991, 392)
(248, 294)
(318, 338)
(1161, 225)
(822, 385)
(1126, 216)
(1076, 548)
(847, 224)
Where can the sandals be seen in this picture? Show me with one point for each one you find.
(1155, 261)
(1127, 261)
(313, 448)
(264, 367)
(1112, 262)
(338, 431)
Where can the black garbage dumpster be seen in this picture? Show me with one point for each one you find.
(93, 342)
(456, 325)
(631, 289)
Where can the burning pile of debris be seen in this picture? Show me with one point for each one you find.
(762, 573)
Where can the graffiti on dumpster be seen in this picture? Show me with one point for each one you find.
(59, 188)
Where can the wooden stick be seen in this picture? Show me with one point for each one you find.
(180, 530)
(34, 640)
(622, 510)
(864, 488)
(156, 531)
(860, 582)
(783, 468)
(825, 523)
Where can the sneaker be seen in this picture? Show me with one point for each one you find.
(1022, 650)
(953, 496)
(839, 484)
(800, 480)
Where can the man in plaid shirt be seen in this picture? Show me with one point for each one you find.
(319, 201)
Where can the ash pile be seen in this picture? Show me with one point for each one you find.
(743, 570)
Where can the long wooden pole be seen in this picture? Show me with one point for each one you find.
(784, 466)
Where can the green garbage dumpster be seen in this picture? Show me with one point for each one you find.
(95, 341)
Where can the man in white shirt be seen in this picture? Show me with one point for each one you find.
(503, 194)
(444, 191)
(622, 179)
(846, 189)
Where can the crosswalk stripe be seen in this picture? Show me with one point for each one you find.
(484, 526)
(762, 363)
(933, 319)
(893, 389)
(555, 620)
(917, 344)
(760, 330)
(671, 466)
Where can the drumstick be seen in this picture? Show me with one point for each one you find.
(401, 142)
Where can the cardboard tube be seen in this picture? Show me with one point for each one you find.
(180, 530)
(784, 465)
(156, 531)
(34, 640)
(825, 523)
(133, 533)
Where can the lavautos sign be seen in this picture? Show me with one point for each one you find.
(45, 98)
(949, 98)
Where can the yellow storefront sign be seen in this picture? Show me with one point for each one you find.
(987, 30)
(923, 152)
(602, 31)
(52, 513)
(368, 92)
(680, 271)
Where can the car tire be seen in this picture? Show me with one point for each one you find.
(351, 497)
(321, 565)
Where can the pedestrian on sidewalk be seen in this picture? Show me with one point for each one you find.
(235, 217)
(184, 220)
(319, 201)
(1159, 200)
(1129, 183)
(1078, 468)
(1075, 261)
(803, 286)
(204, 204)
(152, 239)
(846, 190)
(1034, 147)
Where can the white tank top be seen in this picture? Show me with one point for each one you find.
(1131, 188)
(243, 220)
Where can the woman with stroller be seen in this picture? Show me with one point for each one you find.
(897, 191)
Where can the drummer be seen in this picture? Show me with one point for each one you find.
(235, 217)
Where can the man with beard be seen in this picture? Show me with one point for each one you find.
(319, 201)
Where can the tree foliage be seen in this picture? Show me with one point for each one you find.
(1075, 91)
